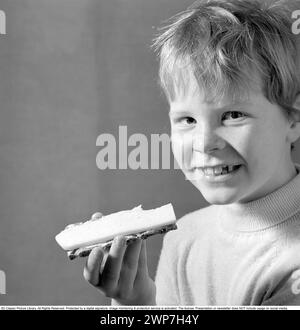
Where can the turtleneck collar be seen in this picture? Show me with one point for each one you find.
(265, 212)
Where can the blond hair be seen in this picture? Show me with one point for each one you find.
(226, 46)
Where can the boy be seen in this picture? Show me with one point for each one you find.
(228, 69)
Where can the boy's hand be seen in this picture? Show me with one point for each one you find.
(124, 274)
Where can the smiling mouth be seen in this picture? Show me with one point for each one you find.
(218, 170)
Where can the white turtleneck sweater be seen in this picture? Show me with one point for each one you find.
(248, 254)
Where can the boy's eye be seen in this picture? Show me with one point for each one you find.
(185, 121)
(232, 115)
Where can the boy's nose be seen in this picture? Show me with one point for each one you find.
(207, 142)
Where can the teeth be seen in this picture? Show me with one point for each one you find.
(209, 171)
(216, 171)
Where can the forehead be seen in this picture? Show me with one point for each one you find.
(194, 97)
(189, 89)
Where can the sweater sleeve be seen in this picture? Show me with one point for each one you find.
(166, 277)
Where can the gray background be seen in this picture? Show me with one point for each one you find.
(71, 70)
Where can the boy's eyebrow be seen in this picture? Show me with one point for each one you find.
(227, 107)
(181, 112)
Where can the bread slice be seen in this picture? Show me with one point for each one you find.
(79, 240)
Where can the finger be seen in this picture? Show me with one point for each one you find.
(143, 263)
(129, 267)
(111, 270)
(96, 216)
(92, 268)
(142, 270)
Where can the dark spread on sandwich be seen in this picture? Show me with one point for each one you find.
(85, 251)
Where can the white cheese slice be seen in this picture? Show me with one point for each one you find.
(120, 223)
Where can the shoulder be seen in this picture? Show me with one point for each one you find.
(191, 226)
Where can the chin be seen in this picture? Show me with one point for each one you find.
(219, 196)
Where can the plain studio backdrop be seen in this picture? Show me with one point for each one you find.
(71, 70)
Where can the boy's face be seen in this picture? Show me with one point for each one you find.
(252, 135)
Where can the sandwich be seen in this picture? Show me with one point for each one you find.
(79, 239)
